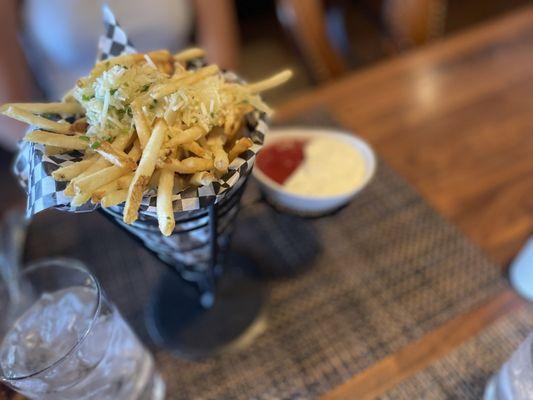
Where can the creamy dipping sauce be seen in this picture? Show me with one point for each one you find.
(326, 166)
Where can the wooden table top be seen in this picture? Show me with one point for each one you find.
(455, 119)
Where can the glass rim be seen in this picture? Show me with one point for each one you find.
(73, 264)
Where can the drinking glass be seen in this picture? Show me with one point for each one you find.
(63, 339)
(514, 380)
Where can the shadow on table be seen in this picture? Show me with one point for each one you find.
(281, 245)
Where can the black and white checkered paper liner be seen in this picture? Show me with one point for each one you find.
(34, 169)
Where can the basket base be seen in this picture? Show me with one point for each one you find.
(177, 321)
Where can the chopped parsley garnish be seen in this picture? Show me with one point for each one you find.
(86, 97)
(95, 145)
(86, 138)
(113, 91)
(145, 88)
(128, 110)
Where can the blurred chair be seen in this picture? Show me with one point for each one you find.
(317, 28)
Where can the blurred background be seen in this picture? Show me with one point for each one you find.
(321, 40)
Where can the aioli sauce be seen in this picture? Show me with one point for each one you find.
(322, 166)
(331, 167)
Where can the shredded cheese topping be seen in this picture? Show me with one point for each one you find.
(107, 93)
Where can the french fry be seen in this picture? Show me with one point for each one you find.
(56, 140)
(279, 79)
(36, 120)
(240, 146)
(113, 198)
(154, 180)
(121, 183)
(170, 116)
(195, 148)
(115, 156)
(189, 78)
(88, 184)
(98, 164)
(181, 137)
(161, 55)
(80, 199)
(235, 119)
(216, 142)
(141, 125)
(165, 212)
(79, 126)
(189, 165)
(179, 69)
(47, 108)
(120, 143)
(54, 151)
(73, 170)
(202, 178)
(189, 54)
(144, 171)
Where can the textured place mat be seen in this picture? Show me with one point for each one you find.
(345, 290)
(464, 373)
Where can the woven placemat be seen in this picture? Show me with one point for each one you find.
(463, 373)
(345, 290)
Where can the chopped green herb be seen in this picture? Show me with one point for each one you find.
(113, 91)
(86, 97)
(95, 145)
(86, 138)
(47, 115)
(145, 88)
(128, 110)
(151, 106)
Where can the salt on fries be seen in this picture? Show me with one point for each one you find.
(145, 121)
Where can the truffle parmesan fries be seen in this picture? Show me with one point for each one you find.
(144, 121)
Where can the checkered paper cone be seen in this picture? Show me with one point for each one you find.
(186, 246)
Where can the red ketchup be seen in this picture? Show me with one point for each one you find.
(279, 160)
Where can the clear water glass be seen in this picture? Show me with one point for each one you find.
(63, 339)
(514, 380)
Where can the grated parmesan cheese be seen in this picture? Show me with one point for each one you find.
(106, 95)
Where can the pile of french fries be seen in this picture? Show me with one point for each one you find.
(160, 141)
